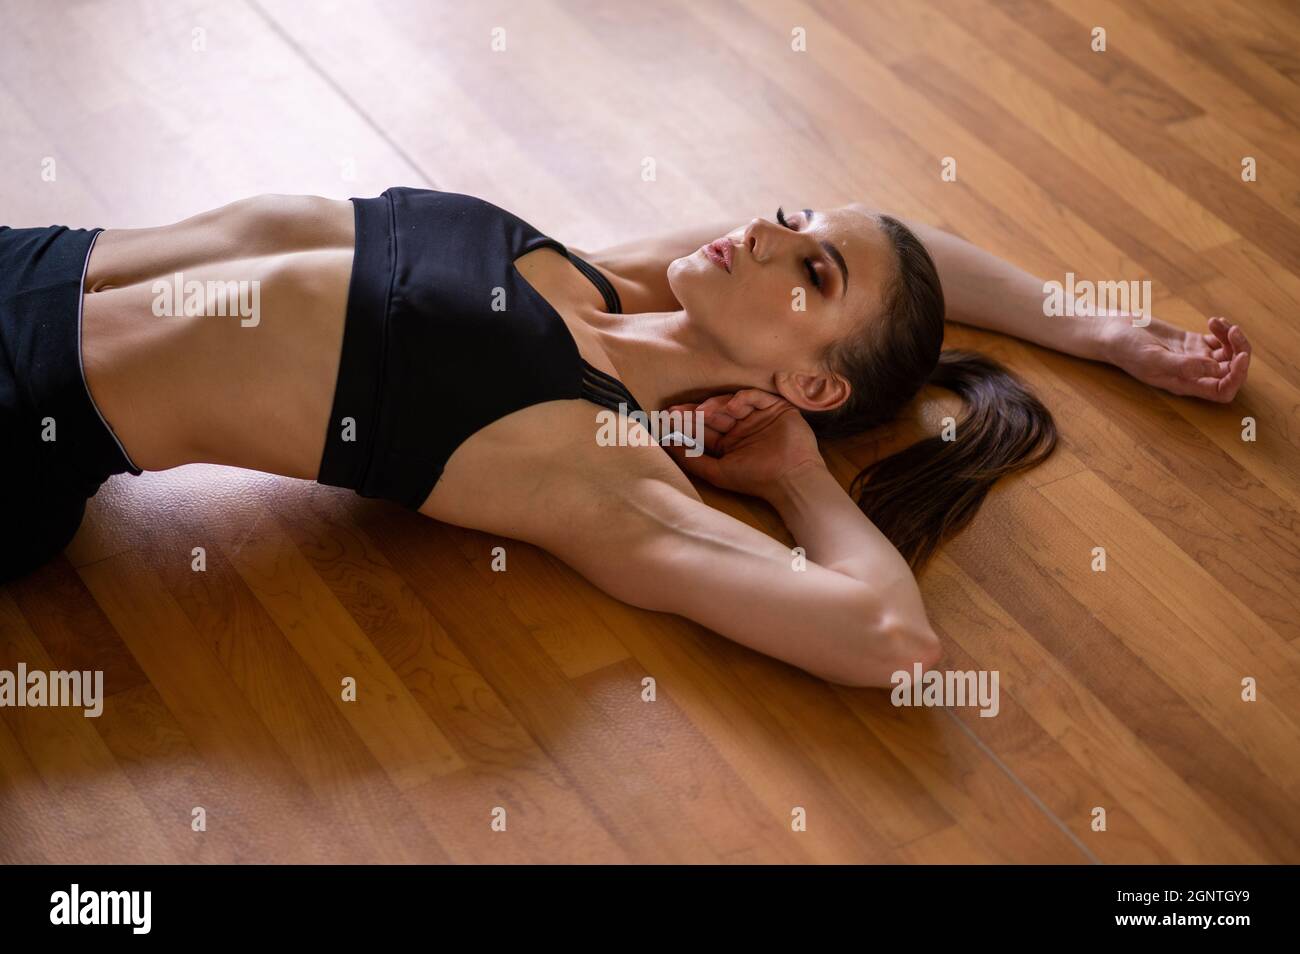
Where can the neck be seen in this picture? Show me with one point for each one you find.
(663, 359)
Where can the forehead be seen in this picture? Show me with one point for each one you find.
(867, 251)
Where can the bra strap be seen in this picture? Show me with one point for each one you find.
(606, 390)
(612, 303)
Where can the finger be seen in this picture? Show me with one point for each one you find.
(712, 438)
(719, 421)
(1220, 329)
(689, 427)
(746, 402)
(715, 414)
(1185, 367)
(1238, 339)
(758, 398)
(739, 407)
(685, 413)
(700, 465)
(714, 404)
(1231, 383)
(1215, 347)
(1220, 389)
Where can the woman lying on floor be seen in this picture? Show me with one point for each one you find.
(435, 350)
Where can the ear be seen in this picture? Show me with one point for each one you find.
(812, 392)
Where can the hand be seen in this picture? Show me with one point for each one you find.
(752, 440)
(1211, 366)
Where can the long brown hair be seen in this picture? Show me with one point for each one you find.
(926, 493)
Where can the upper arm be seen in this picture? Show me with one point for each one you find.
(647, 541)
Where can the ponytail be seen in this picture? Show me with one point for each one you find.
(928, 492)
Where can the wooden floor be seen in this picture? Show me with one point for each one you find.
(479, 691)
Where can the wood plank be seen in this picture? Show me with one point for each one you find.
(522, 690)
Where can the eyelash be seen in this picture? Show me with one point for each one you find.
(812, 272)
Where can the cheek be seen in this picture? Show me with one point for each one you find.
(753, 321)
(791, 331)
(756, 321)
(772, 306)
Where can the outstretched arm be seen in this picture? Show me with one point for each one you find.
(984, 291)
(987, 292)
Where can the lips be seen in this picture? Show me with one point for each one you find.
(720, 253)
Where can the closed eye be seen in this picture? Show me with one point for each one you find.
(807, 262)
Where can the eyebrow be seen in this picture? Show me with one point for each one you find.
(834, 253)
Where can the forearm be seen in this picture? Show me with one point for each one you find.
(985, 291)
(834, 533)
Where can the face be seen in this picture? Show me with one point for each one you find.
(773, 295)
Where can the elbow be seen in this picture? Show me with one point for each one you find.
(896, 645)
(926, 648)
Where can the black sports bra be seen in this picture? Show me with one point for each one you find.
(443, 336)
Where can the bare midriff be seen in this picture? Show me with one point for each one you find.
(218, 339)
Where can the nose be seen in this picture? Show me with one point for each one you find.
(760, 236)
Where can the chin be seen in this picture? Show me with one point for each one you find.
(680, 277)
(679, 265)
(687, 276)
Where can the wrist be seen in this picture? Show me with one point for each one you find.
(786, 489)
(1109, 331)
(1092, 338)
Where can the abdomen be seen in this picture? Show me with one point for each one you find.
(218, 338)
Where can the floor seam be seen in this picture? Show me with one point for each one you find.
(1041, 805)
(347, 98)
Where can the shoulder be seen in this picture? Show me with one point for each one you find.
(562, 467)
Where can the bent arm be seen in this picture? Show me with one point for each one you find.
(849, 612)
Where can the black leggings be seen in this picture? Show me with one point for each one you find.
(55, 448)
(40, 518)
